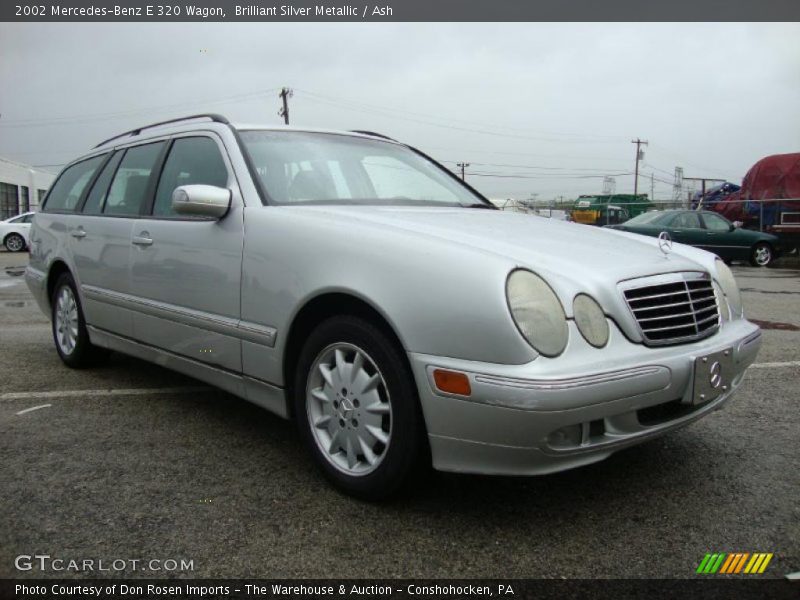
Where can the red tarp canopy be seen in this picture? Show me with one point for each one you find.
(773, 177)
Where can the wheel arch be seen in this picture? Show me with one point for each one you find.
(322, 307)
(53, 273)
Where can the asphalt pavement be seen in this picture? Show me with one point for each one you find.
(129, 461)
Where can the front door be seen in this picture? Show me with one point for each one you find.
(720, 238)
(187, 271)
(685, 227)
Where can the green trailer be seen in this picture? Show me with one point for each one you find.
(609, 209)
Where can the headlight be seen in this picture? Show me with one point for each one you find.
(728, 284)
(537, 312)
(591, 320)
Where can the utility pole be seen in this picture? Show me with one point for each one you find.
(639, 156)
(285, 94)
(652, 188)
(462, 166)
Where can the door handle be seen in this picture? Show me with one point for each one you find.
(79, 233)
(143, 239)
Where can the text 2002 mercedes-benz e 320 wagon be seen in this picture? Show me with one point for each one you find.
(349, 281)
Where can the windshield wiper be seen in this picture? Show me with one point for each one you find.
(480, 205)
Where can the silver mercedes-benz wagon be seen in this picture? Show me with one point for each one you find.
(350, 282)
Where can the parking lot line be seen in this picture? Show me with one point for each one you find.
(32, 408)
(60, 394)
(776, 365)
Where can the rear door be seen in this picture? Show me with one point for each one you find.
(101, 236)
(186, 271)
(57, 225)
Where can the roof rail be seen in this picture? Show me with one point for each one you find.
(214, 117)
(373, 134)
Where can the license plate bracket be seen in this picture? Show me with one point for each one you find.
(712, 375)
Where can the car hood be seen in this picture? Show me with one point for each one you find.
(539, 243)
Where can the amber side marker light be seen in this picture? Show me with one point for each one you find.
(452, 382)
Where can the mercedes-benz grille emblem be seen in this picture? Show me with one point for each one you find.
(664, 243)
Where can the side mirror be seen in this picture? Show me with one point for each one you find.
(201, 201)
(736, 225)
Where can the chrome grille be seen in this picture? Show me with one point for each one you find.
(677, 308)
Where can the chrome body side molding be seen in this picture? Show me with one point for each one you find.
(243, 330)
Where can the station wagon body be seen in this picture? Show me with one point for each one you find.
(349, 281)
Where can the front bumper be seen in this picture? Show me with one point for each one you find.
(556, 414)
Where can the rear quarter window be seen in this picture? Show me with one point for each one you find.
(67, 191)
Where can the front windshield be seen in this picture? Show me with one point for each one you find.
(648, 218)
(320, 168)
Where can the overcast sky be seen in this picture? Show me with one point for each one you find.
(545, 109)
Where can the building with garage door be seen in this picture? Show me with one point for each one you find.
(22, 187)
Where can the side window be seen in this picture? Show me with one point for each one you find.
(99, 191)
(686, 220)
(9, 197)
(127, 193)
(715, 222)
(70, 185)
(25, 199)
(192, 160)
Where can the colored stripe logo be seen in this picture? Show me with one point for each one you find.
(734, 563)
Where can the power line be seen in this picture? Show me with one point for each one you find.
(80, 119)
(387, 113)
(536, 167)
(684, 161)
(555, 177)
(372, 107)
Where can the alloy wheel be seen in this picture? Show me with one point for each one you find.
(349, 409)
(15, 243)
(66, 317)
(763, 255)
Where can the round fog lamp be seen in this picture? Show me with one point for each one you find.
(591, 320)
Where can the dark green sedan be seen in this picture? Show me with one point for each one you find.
(709, 231)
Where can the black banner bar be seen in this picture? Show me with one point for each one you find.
(294, 589)
(400, 10)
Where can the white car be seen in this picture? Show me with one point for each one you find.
(15, 232)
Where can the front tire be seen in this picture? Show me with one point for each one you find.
(357, 409)
(14, 242)
(761, 255)
(69, 326)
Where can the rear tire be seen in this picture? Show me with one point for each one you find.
(14, 242)
(761, 255)
(357, 408)
(69, 327)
